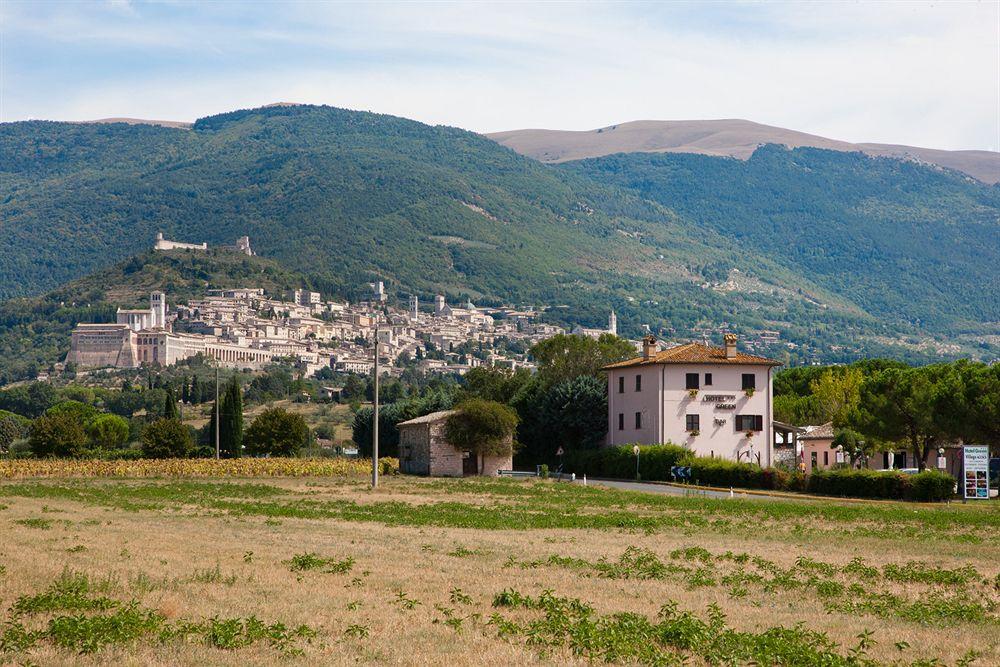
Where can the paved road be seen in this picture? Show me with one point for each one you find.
(670, 490)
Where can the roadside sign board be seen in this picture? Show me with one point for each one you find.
(976, 477)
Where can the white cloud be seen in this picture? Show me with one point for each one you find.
(918, 73)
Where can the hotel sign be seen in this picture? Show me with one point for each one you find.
(977, 465)
(722, 401)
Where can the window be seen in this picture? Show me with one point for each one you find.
(621, 385)
(826, 458)
(749, 381)
(621, 421)
(691, 381)
(708, 379)
(638, 420)
(692, 422)
(812, 461)
(900, 461)
(749, 423)
(638, 383)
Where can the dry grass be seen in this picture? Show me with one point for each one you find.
(190, 553)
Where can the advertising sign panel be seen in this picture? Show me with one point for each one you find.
(976, 479)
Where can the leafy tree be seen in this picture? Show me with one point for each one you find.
(354, 388)
(566, 356)
(483, 427)
(29, 400)
(166, 439)
(81, 411)
(276, 432)
(170, 410)
(126, 403)
(59, 434)
(185, 391)
(837, 394)
(153, 400)
(495, 384)
(108, 431)
(231, 420)
(910, 405)
(576, 413)
(12, 427)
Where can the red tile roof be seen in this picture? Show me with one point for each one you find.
(695, 353)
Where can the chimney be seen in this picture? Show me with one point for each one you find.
(730, 339)
(648, 347)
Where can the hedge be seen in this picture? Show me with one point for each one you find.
(655, 462)
(618, 462)
(929, 485)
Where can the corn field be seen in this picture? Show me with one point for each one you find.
(243, 467)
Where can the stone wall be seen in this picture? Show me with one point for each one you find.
(414, 449)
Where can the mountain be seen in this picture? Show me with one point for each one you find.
(732, 138)
(812, 244)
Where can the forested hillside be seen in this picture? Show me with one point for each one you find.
(902, 241)
(843, 255)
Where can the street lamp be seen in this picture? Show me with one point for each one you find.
(635, 450)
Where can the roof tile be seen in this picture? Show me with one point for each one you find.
(695, 353)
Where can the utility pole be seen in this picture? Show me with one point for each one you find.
(375, 414)
(218, 412)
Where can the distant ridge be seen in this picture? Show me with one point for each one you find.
(177, 123)
(142, 121)
(730, 137)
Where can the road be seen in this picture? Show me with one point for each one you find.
(670, 490)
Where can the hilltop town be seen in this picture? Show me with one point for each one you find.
(245, 328)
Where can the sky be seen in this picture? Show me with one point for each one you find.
(916, 73)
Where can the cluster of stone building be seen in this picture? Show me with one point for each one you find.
(245, 328)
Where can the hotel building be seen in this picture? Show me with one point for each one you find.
(716, 401)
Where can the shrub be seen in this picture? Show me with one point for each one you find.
(930, 485)
(12, 427)
(59, 434)
(166, 439)
(655, 461)
(108, 431)
(276, 432)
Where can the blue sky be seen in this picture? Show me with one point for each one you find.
(924, 74)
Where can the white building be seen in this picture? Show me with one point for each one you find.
(716, 401)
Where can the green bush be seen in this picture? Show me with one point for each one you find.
(618, 462)
(930, 485)
(655, 462)
(276, 432)
(58, 434)
(167, 439)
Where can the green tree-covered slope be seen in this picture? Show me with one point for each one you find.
(347, 197)
(904, 242)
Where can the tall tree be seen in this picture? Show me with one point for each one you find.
(185, 392)
(231, 420)
(567, 356)
(170, 404)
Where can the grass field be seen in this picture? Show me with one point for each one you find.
(320, 570)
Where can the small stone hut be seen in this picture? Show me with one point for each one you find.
(423, 450)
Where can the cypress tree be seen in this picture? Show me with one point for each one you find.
(195, 392)
(170, 404)
(231, 420)
(185, 394)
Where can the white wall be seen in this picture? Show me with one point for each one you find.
(665, 403)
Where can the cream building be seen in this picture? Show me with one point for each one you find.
(716, 401)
